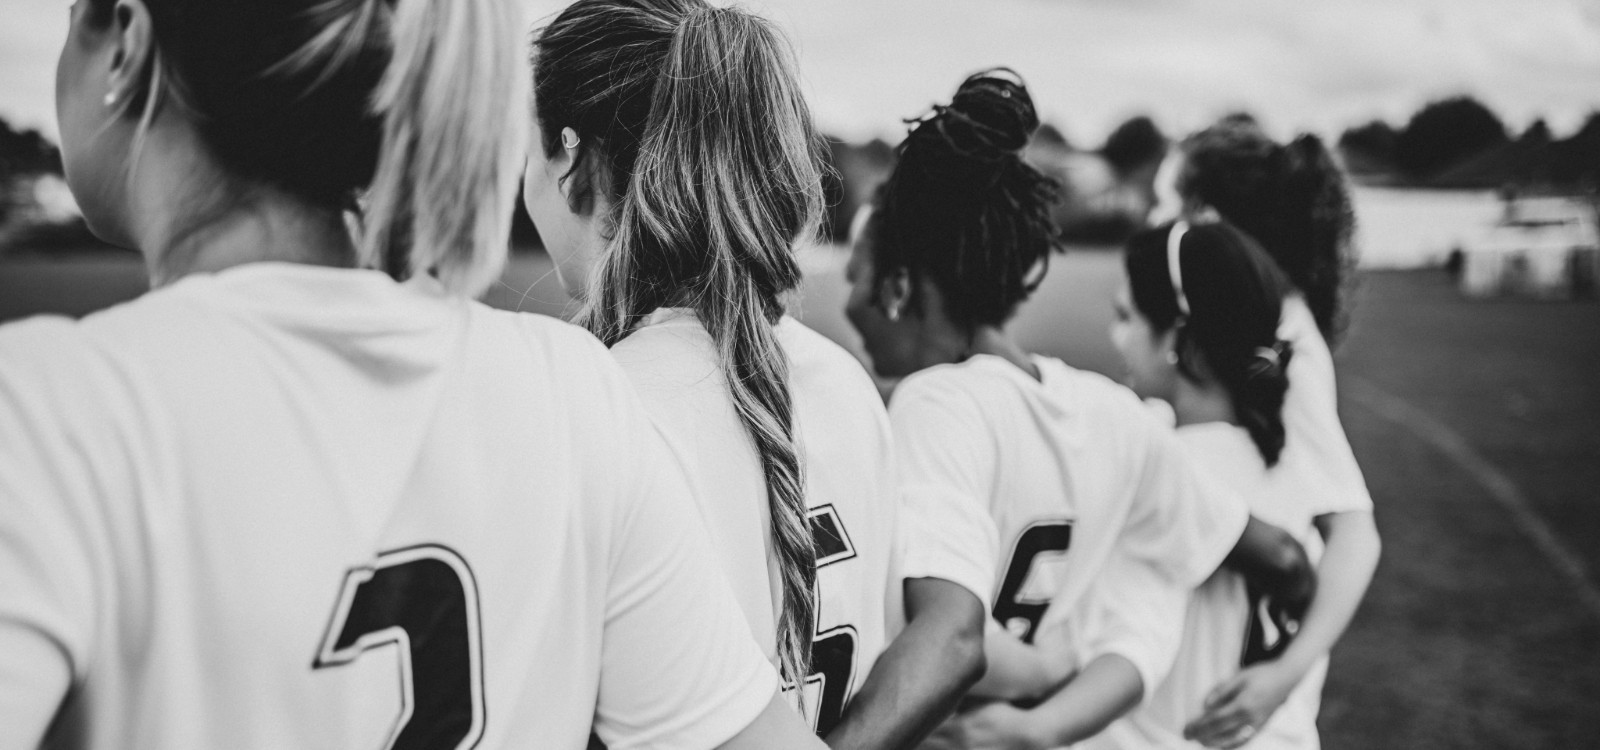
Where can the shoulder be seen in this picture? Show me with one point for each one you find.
(542, 330)
(1222, 449)
(44, 351)
(671, 353)
(956, 382)
(65, 400)
(1299, 327)
(572, 356)
(819, 367)
(60, 361)
(1096, 394)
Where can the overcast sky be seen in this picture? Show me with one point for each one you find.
(1298, 64)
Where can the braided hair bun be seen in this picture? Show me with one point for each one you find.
(964, 209)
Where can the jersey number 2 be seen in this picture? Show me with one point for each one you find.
(423, 602)
(1021, 616)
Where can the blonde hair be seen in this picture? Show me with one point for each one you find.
(454, 100)
(716, 172)
(407, 111)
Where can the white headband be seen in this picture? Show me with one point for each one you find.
(1174, 246)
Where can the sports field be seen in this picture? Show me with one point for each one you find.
(1478, 426)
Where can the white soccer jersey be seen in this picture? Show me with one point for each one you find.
(1098, 516)
(285, 506)
(1223, 629)
(843, 436)
(1315, 447)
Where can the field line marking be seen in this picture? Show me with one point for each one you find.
(1501, 489)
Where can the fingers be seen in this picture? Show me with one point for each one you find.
(1238, 737)
(1219, 726)
(1224, 692)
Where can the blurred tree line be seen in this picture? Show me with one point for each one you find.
(37, 213)
(1461, 143)
(1106, 190)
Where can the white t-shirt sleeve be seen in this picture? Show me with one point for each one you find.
(1135, 611)
(1181, 523)
(679, 668)
(50, 551)
(946, 470)
(1315, 445)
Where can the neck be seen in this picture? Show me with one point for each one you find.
(993, 341)
(192, 218)
(1201, 403)
(940, 342)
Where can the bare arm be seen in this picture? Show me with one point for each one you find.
(1250, 698)
(1020, 671)
(920, 678)
(1348, 562)
(776, 728)
(1107, 688)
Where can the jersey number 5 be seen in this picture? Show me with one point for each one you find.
(1021, 616)
(833, 651)
(423, 602)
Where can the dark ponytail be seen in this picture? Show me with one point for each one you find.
(714, 171)
(1234, 294)
(1294, 200)
(963, 209)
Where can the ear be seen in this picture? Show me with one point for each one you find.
(561, 161)
(581, 175)
(134, 56)
(894, 293)
(1167, 343)
(1192, 361)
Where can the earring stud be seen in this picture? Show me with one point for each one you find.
(111, 98)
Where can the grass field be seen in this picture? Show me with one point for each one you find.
(1478, 426)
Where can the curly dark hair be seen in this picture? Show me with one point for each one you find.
(1293, 199)
(963, 209)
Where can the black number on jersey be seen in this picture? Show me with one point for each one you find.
(1268, 631)
(1018, 615)
(833, 666)
(422, 601)
(833, 652)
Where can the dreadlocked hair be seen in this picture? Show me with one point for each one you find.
(963, 209)
(714, 171)
(1293, 199)
(1235, 296)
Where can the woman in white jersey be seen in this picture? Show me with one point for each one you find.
(675, 168)
(1197, 326)
(1101, 530)
(287, 499)
(1293, 200)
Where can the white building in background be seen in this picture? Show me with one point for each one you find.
(52, 200)
(1540, 247)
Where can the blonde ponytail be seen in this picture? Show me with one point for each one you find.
(453, 101)
(712, 184)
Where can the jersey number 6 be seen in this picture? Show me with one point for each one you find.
(422, 601)
(1021, 616)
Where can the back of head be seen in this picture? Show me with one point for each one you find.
(691, 122)
(963, 209)
(1225, 296)
(400, 109)
(1292, 199)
